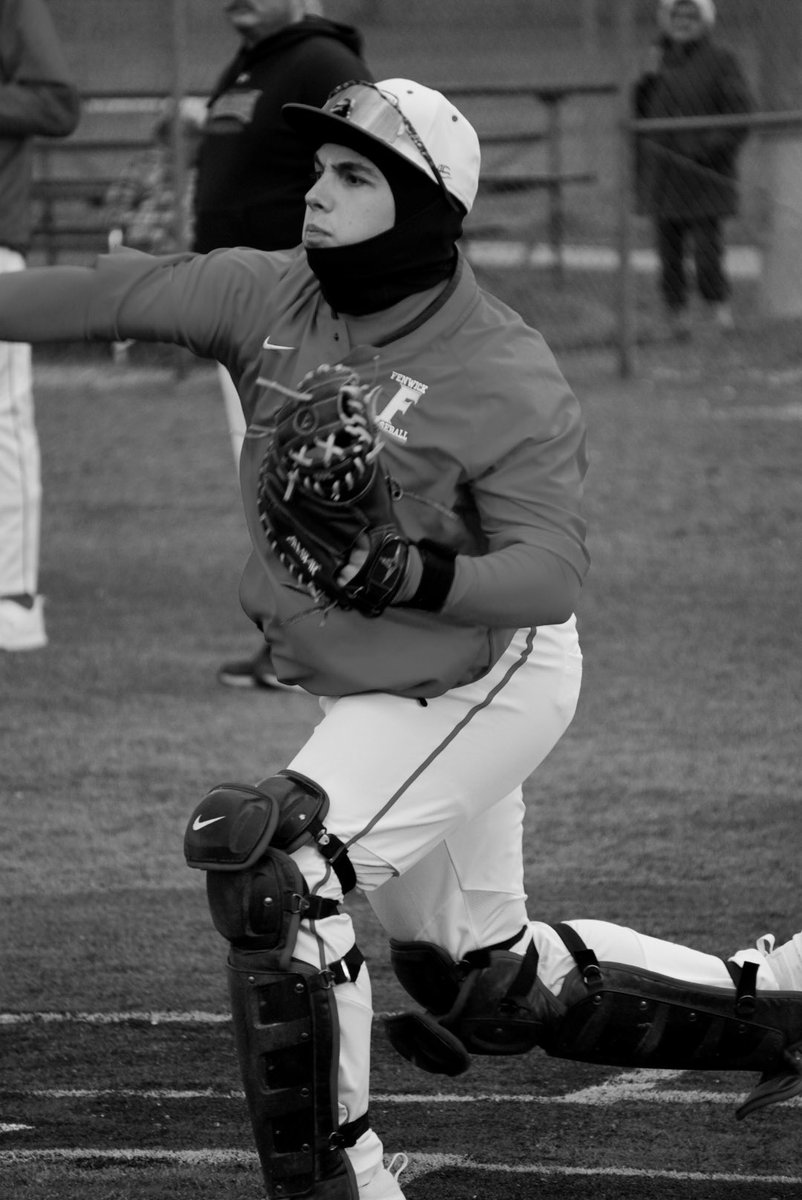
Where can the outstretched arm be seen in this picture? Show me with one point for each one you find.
(210, 304)
(124, 295)
(45, 304)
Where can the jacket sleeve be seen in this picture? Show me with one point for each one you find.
(44, 304)
(646, 79)
(529, 507)
(733, 95)
(37, 95)
(210, 304)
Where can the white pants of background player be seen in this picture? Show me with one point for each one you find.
(430, 799)
(20, 479)
(234, 416)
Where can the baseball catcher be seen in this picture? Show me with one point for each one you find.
(444, 679)
(326, 506)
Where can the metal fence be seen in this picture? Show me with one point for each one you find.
(549, 87)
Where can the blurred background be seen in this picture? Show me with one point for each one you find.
(547, 84)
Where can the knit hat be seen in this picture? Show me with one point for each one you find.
(707, 11)
(411, 120)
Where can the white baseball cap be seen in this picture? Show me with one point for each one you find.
(414, 121)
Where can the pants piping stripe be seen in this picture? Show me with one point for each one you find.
(458, 728)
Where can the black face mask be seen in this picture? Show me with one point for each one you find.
(411, 257)
(417, 253)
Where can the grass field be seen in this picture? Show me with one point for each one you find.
(672, 803)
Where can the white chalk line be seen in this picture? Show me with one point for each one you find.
(419, 1165)
(640, 1086)
(758, 412)
(643, 1086)
(148, 1016)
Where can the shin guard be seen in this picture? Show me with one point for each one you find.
(285, 1017)
(620, 1015)
(286, 1034)
(608, 1013)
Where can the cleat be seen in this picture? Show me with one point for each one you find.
(776, 1087)
(22, 628)
(383, 1185)
(785, 961)
(256, 672)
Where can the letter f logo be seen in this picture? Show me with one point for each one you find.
(399, 402)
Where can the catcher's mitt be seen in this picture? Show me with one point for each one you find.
(324, 500)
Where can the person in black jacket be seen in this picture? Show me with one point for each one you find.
(687, 180)
(253, 173)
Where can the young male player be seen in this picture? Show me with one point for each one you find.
(446, 676)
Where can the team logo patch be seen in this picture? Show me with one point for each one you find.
(391, 418)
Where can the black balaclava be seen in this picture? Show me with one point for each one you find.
(417, 253)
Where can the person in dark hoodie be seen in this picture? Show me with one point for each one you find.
(253, 173)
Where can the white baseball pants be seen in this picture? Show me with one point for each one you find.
(20, 477)
(234, 415)
(429, 799)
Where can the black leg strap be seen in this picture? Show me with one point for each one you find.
(350, 1133)
(345, 969)
(317, 908)
(745, 980)
(301, 819)
(335, 853)
(524, 981)
(584, 958)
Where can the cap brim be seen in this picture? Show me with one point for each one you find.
(317, 127)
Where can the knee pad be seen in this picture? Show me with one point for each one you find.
(490, 1002)
(235, 823)
(243, 837)
(285, 1018)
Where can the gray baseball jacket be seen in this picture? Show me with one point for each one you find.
(483, 439)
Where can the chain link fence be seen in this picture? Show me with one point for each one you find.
(557, 229)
